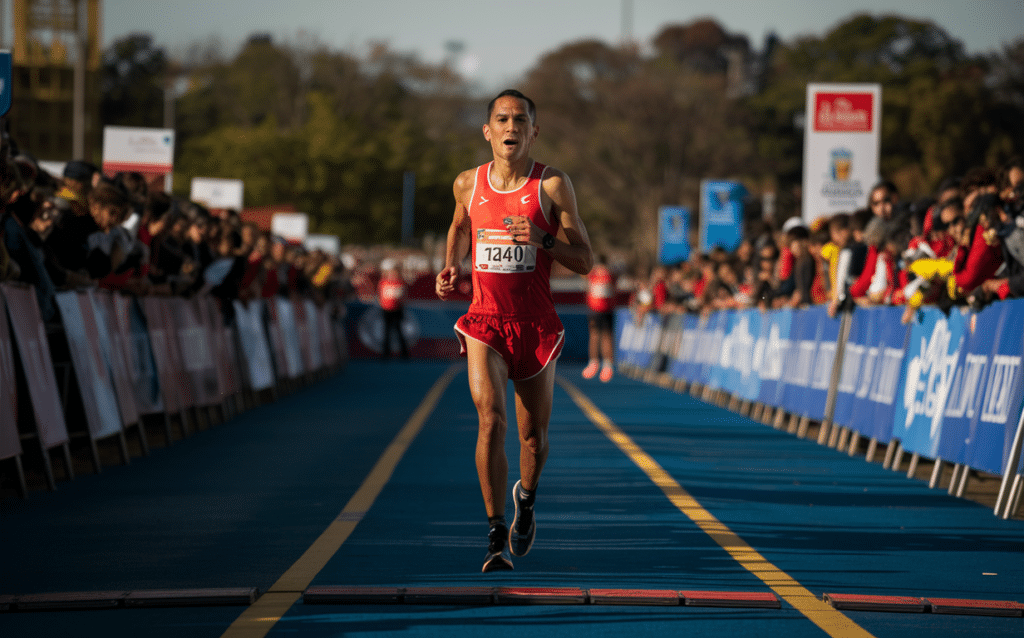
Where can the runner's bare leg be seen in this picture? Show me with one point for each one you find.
(488, 382)
(534, 397)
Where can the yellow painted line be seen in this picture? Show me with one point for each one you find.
(257, 620)
(829, 619)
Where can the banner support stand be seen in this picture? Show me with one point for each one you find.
(1011, 465)
(936, 474)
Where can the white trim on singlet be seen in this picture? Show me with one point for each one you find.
(528, 173)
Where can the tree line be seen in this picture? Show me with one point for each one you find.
(635, 128)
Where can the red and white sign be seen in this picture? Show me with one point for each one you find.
(841, 147)
(844, 112)
(149, 151)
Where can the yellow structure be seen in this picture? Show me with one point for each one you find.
(57, 57)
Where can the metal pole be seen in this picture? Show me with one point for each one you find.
(1011, 463)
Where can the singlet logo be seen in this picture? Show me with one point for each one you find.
(483, 200)
(525, 198)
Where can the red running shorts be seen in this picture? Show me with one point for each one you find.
(526, 345)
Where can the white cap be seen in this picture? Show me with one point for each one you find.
(388, 264)
(793, 222)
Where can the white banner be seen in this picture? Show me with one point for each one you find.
(214, 192)
(145, 150)
(841, 147)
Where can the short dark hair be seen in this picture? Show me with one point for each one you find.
(530, 107)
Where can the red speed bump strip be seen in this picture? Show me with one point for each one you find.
(762, 600)
(634, 597)
(976, 607)
(540, 596)
(858, 602)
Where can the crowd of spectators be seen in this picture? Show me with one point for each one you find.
(962, 246)
(84, 229)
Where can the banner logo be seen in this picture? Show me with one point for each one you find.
(843, 112)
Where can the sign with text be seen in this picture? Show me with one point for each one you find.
(673, 234)
(721, 214)
(217, 193)
(841, 147)
(149, 151)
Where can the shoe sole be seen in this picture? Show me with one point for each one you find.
(497, 563)
(513, 538)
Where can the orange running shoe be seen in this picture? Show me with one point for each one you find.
(606, 374)
(591, 370)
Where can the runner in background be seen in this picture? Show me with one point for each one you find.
(514, 217)
(601, 301)
(391, 293)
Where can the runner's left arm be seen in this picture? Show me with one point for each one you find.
(572, 245)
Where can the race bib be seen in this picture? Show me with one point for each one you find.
(496, 252)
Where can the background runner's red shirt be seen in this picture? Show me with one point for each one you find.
(600, 290)
(509, 279)
(391, 293)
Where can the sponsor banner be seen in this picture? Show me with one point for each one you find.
(289, 332)
(327, 344)
(174, 383)
(197, 354)
(743, 353)
(113, 344)
(681, 363)
(710, 350)
(218, 193)
(936, 344)
(841, 147)
(305, 339)
(312, 323)
(220, 344)
(638, 339)
(775, 350)
(253, 339)
(10, 443)
(139, 352)
(95, 384)
(36, 362)
(871, 371)
(673, 234)
(809, 360)
(983, 400)
(721, 214)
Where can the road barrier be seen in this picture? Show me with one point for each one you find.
(113, 361)
(946, 388)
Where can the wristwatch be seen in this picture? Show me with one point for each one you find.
(548, 241)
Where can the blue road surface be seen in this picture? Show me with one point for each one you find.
(239, 505)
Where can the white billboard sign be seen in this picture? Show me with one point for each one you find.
(842, 137)
(291, 226)
(214, 192)
(144, 150)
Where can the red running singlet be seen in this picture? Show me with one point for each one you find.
(508, 279)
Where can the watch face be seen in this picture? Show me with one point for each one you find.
(548, 241)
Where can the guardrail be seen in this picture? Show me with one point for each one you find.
(114, 362)
(946, 388)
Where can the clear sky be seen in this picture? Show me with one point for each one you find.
(502, 40)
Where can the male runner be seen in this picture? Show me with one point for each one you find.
(513, 216)
(601, 302)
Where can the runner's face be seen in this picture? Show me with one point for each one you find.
(510, 131)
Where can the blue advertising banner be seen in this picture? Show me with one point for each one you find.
(721, 214)
(983, 402)
(808, 369)
(879, 360)
(936, 342)
(742, 376)
(673, 234)
(681, 364)
(776, 346)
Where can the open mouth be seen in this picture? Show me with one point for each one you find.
(510, 143)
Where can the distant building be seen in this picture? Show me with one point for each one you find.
(56, 59)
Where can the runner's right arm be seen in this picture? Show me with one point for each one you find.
(459, 239)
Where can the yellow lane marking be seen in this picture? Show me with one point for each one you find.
(257, 620)
(830, 620)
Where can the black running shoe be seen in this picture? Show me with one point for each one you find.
(524, 525)
(497, 558)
